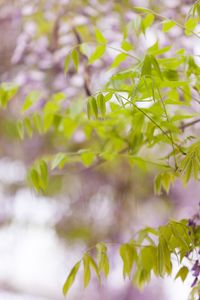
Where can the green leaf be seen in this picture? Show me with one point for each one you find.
(146, 67)
(48, 121)
(100, 37)
(34, 176)
(20, 129)
(142, 9)
(101, 104)
(167, 25)
(58, 97)
(181, 236)
(128, 255)
(87, 273)
(70, 279)
(28, 127)
(37, 122)
(190, 165)
(182, 273)
(163, 180)
(59, 160)
(95, 267)
(141, 277)
(30, 99)
(75, 58)
(7, 92)
(171, 74)
(163, 257)
(85, 49)
(173, 84)
(97, 54)
(102, 258)
(147, 22)
(198, 9)
(87, 158)
(69, 127)
(119, 59)
(155, 50)
(156, 66)
(67, 62)
(51, 107)
(89, 109)
(94, 106)
(190, 25)
(43, 174)
(126, 45)
(148, 257)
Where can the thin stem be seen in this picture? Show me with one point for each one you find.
(146, 115)
(108, 46)
(170, 133)
(115, 244)
(184, 126)
(155, 123)
(168, 19)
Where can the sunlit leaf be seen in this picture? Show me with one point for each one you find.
(87, 272)
(182, 273)
(100, 37)
(167, 25)
(75, 58)
(30, 99)
(97, 54)
(70, 279)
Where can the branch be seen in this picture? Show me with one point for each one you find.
(86, 75)
(184, 126)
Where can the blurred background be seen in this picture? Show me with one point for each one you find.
(43, 235)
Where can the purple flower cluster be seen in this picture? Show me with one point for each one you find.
(196, 272)
(192, 223)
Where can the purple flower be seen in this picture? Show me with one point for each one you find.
(195, 265)
(191, 223)
(194, 282)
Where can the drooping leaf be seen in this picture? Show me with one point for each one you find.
(70, 279)
(119, 59)
(167, 25)
(7, 92)
(125, 45)
(97, 54)
(182, 273)
(87, 158)
(87, 272)
(75, 58)
(190, 25)
(101, 104)
(147, 22)
(59, 160)
(103, 262)
(35, 179)
(100, 37)
(128, 254)
(94, 106)
(163, 257)
(156, 66)
(30, 99)
(146, 67)
(95, 267)
(43, 174)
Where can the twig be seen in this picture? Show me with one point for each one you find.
(186, 125)
(170, 133)
(168, 19)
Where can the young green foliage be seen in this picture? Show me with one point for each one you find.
(70, 279)
(145, 255)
